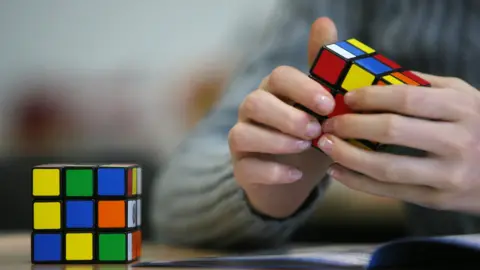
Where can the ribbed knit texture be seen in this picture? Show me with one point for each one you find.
(196, 199)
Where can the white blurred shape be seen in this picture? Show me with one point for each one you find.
(159, 38)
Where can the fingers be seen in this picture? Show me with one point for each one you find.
(385, 167)
(246, 138)
(264, 108)
(293, 85)
(422, 195)
(434, 137)
(281, 128)
(430, 103)
(323, 32)
(446, 82)
(259, 171)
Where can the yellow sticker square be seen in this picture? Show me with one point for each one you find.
(360, 45)
(357, 77)
(134, 181)
(79, 247)
(392, 80)
(47, 215)
(46, 182)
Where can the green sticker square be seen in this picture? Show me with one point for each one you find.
(79, 182)
(112, 247)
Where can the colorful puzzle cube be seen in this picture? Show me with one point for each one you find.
(86, 213)
(349, 65)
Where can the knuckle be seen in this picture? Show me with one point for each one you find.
(390, 172)
(472, 109)
(277, 75)
(468, 107)
(409, 100)
(456, 180)
(464, 143)
(454, 82)
(469, 141)
(251, 103)
(390, 130)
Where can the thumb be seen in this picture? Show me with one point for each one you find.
(323, 31)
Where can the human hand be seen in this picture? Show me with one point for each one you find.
(443, 121)
(271, 142)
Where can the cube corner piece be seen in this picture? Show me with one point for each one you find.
(348, 65)
(86, 213)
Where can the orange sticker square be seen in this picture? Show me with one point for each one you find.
(404, 78)
(111, 214)
(137, 244)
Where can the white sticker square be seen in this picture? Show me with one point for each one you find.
(132, 213)
(130, 246)
(139, 212)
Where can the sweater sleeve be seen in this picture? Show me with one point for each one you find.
(196, 200)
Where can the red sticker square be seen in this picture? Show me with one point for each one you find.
(328, 67)
(414, 77)
(129, 181)
(340, 106)
(387, 61)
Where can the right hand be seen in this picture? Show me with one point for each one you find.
(271, 142)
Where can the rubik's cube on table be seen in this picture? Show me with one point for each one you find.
(348, 65)
(86, 213)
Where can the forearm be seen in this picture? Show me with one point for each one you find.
(198, 203)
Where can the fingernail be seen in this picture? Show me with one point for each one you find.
(327, 126)
(326, 145)
(294, 174)
(313, 129)
(303, 145)
(324, 104)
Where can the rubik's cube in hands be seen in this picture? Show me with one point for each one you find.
(349, 65)
(86, 213)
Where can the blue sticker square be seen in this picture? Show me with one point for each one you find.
(47, 247)
(350, 48)
(111, 181)
(373, 65)
(79, 214)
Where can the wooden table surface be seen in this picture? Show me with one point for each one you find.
(15, 255)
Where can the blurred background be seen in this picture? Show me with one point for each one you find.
(119, 81)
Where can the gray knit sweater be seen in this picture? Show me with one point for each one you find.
(197, 201)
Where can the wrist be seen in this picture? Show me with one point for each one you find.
(269, 209)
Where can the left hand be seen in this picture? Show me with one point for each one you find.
(443, 120)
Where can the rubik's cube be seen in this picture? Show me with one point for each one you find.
(86, 213)
(349, 65)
